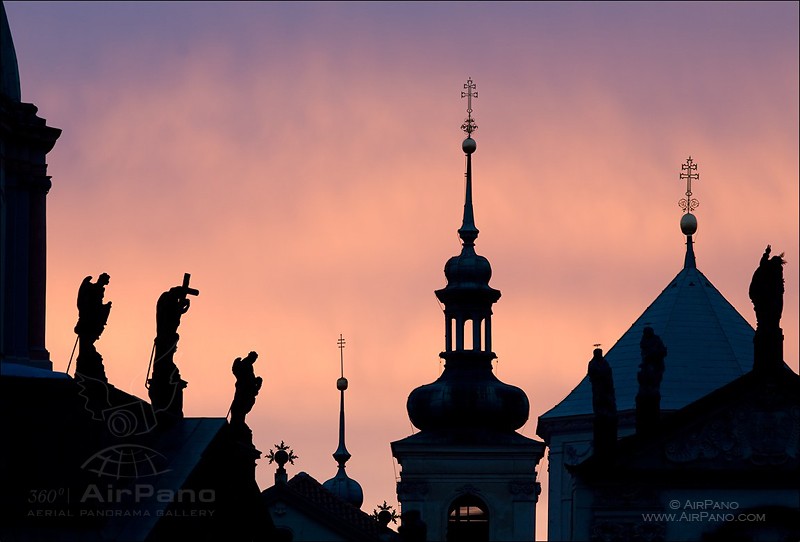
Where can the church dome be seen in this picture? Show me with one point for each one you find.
(468, 398)
(468, 270)
(345, 488)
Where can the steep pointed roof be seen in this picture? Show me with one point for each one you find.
(709, 344)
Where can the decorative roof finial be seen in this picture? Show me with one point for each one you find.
(468, 231)
(689, 204)
(469, 125)
(341, 455)
(281, 454)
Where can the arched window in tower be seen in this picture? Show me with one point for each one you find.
(468, 520)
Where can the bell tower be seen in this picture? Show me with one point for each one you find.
(467, 472)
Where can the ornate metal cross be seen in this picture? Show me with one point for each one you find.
(689, 204)
(469, 125)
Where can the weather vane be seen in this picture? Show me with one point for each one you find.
(689, 204)
(469, 125)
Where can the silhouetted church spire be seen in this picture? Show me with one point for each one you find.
(342, 485)
(467, 468)
(468, 395)
(689, 204)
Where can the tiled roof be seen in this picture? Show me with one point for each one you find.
(708, 345)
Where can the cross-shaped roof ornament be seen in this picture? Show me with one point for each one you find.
(341, 343)
(688, 172)
(469, 125)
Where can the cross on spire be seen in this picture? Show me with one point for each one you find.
(341, 344)
(689, 204)
(469, 125)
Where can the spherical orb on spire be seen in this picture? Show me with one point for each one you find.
(341, 384)
(688, 224)
(469, 145)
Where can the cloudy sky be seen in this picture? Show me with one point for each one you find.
(303, 162)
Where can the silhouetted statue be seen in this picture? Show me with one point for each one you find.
(604, 404)
(166, 386)
(412, 528)
(247, 387)
(766, 293)
(766, 290)
(92, 319)
(651, 370)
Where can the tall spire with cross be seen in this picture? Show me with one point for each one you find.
(689, 204)
(467, 447)
(467, 395)
(468, 231)
(342, 485)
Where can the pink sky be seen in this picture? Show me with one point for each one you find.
(303, 162)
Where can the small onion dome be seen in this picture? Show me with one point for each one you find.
(341, 384)
(468, 276)
(345, 488)
(468, 270)
(688, 224)
(468, 396)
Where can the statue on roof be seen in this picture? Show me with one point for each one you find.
(651, 371)
(247, 387)
(604, 404)
(92, 318)
(165, 387)
(766, 290)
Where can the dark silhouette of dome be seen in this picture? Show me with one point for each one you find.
(345, 488)
(468, 398)
(468, 270)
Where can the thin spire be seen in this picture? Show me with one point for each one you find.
(689, 204)
(342, 485)
(341, 455)
(468, 231)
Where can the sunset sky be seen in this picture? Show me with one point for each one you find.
(303, 162)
